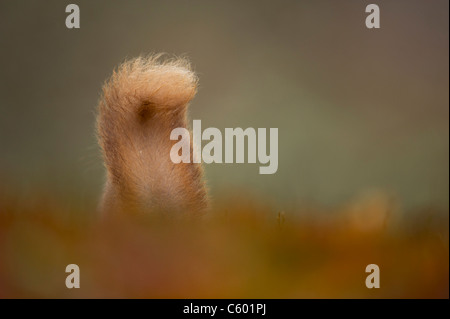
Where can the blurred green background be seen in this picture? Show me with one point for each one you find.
(357, 109)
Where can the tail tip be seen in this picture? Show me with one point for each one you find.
(153, 80)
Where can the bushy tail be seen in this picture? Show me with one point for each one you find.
(142, 102)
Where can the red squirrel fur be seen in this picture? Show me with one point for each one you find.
(141, 103)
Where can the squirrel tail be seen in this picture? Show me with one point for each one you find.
(141, 103)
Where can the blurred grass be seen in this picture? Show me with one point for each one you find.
(243, 249)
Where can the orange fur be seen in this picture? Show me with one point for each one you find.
(142, 102)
